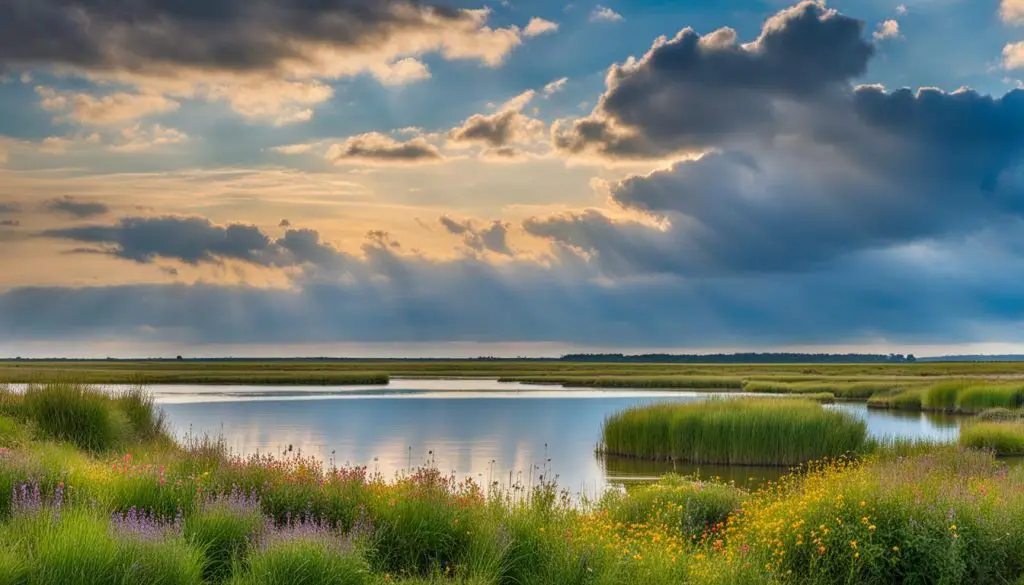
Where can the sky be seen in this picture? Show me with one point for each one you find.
(520, 177)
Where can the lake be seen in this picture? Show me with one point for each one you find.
(488, 430)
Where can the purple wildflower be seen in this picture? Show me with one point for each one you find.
(145, 526)
(237, 500)
(306, 528)
(26, 498)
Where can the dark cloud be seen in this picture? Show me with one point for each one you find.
(888, 170)
(494, 130)
(196, 240)
(9, 223)
(284, 223)
(500, 130)
(75, 207)
(691, 92)
(804, 169)
(240, 35)
(9, 208)
(391, 297)
(376, 148)
(493, 237)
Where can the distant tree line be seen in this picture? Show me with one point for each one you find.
(743, 358)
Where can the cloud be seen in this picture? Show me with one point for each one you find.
(377, 148)
(1012, 11)
(1013, 56)
(493, 237)
(505, 127)
(9, 223)
(402, 72)
(539, 26)
(605, 14)
(932, 294)
(116, 108)
(9, 208)
(901, 9)
(555, 86)
(293, 148)
(887, 169)
(267, 59)
(74, 207)
(138, 138)
(196, 240)
(889, 29)
(692, 92)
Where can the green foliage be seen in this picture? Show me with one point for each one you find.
(684, 504)
(147, 421)
(419, 529)
(74, 413)
(734, 432)
(13, 568)
(909, 399)
(224, 535)
(841, 389)
(1005, 438)
(13, 433)
(303, 562)
(79, 548)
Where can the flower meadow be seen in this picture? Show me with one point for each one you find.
(157, 512)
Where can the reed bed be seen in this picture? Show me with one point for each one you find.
(734, 432)
(1003, 438)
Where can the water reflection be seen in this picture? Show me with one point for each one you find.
(477, 428)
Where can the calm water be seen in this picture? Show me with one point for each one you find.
(480, 428)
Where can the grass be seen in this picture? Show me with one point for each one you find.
(305, 562)
(325, 371)
(1004, 438)
(734, 432)
(691, 506)
(954, 396)
(191, 514)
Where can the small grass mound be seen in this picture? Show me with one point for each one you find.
(686, 505)
(1005, 438)
(86, 417)
(734, 432)
(305, 561)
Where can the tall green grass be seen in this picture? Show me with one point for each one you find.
(74, 413)
(79, 548)
(1005, 438)
(688, 506)
(842, 390)
(303, 562)
(734, 432)
(84, 416)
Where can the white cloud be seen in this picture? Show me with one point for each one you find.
(136, 138)
(401, 72)
(293, 148)
(605, 14)
(539, 26)
(1013, 55)
(901, 9)
(889, 29)
(1012, 11)
(112, 109)
(555, 86)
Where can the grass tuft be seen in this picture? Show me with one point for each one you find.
(734, 432)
